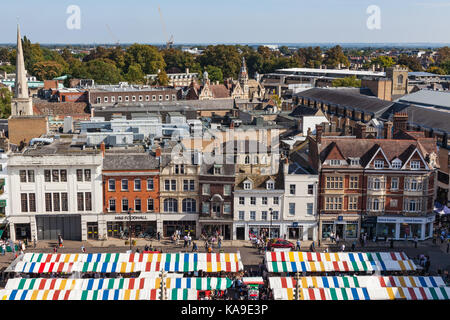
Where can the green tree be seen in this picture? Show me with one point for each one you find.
(436, 70)
(32, 53)
(175, 58)
(5, 103)
(225, 57)
(148, 57)
(46, 70)
(135, 74)
(4, 54)
(103, 71)
(443, 54)
(346, 82)
(214, 74)
(310, 57)
(383, 61)
(411, 63)
(162, 79)
(446, 66)
(335, 56)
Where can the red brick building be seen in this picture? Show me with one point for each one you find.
(382, 187)
(130, 184)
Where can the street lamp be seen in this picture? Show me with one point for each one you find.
(270, 228)
(129, 224)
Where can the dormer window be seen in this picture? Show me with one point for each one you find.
(379, 164)
(354, 162)
(217, 170)
(335, 162)
(397, 164)
(415, 164)
(270, 185)
(247, 185)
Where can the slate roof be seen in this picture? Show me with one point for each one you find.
(130, 161)
(428, 98)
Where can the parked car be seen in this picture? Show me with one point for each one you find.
(279, 243)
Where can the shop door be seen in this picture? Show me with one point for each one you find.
(92, 229)
(340, 231)
(240, 233)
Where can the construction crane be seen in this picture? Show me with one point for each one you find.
(112, 35)
(169, 42)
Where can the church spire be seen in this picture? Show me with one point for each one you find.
(21, 85)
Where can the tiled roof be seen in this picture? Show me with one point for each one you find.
(130, 161)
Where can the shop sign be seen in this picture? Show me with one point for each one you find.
(294, 224)
(403, 220)
(127, 218)
(340, 218)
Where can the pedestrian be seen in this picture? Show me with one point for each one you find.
(337, 238)
(55, 249)
(3, 249)
(353, 246)
(83, 249)
(189, 239)
(34, 242)
(219, 242)
(194, 247)
(415, 242)
(298, 246)
(343, 247)
(158, 235)
(311, 247)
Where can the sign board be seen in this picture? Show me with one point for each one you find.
(133, 218)
(295, 224)
(404, 220)
(340, 218)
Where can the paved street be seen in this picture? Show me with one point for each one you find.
(440, 259)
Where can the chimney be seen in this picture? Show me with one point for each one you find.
(400, 121)
(103, 148)
(286, 165)
(388, 130)
(360, 131)
(319, 131)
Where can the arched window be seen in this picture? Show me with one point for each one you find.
(247, 159)
(189, 205)
(400, 79)
(170, 205)
(255, 161)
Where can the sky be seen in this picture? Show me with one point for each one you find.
(230, 21)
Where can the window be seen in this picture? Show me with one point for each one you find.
(412, 205)
(394, 183)
(124, 205)
(113, 99)
(292, 189)
(160, 98)
(264, 200)
(48, 202)
(63, 174)
(188, 185)
(310, 189)
(333, 203)
(393, 203)
(375, 204)
(309, 208)
(217, 170)
(379, 164)
(335, 162)
(24, 202)
(150, 204)
(141, 98)
(173, 185)
(137, 184)
(111, 185)
(127, 98)
(55, 176)
(174, 97)
(80, 201)
(79, 175)
(413, 184)
(270, 185)
(292, 209)
(106, 99)
(376, 183)
(124, 184)
(276, 200)
(334, 183)
(170, 205)
(87, 174)
(397, 164)
(216, 208)
(253, 200)
(153, 98)
(56, 203)
(30, 175)
(275, 215)
(241, 215)
(241, 200)
(264, 215)
(353, 182)
(167, 97)
(133, 98)
(205, 208)
(47, 176)
(88, 201)
(32, 201)
(147, 98)
(205, 188)
(150, 185)
(415, 164)
(252, 215)
(137, 205)
(247, 185)
(120, 98)
(189, 205)
(23, 175)
(354, 162)
(247, 160)
(352, 203)
(227, 208)
(112, 205)
(227, 190)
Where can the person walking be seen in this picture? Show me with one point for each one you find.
(337, 238)
(219, 242)
(189, 239)
(343, 247)
(158, 235)
(194, 247)
(3, 248)
(298, 246)
(312, 247)
(415, 242)
(83, 249)
(353, 246)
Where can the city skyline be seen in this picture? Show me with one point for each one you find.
(202, 22)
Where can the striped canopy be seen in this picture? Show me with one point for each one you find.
(128, 263)
(411, 282)
(349, 257)
(322, 294)
(199, 283)
(441, 293)
(315, 282)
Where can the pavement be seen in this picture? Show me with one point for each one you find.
(439, 257)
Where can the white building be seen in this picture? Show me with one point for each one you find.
(258, 203)
(4, 188)
(55, 189)
(300, 200)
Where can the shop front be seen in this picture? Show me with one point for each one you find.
(216, 227)
(369, 226)
(118, 225)
(345, 229)
(264, 231)
(184, 226)
(49, 227)
(400, 228)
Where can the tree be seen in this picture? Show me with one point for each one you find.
(383, 61)
(5, 103)
(285, 50)
(175, 58)
(103, 71)
(162, 79)
(411, 63)
(148, 57)
(335, 56)
(310, 57)
(346, 82)
(45, 70)
(135, 74)
(446, 66)
(32, 53)
(214, 74)
(4, 54)
(225, 57)
(436, 70)
(443, 54)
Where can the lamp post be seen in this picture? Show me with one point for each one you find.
(270, 228)
(129, 224)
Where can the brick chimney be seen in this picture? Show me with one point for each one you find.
(103, 148)
(388, 130)
(360, 130)
(400, 121)
(319, 131)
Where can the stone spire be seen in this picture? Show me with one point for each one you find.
(21, 104)
(21, 85)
